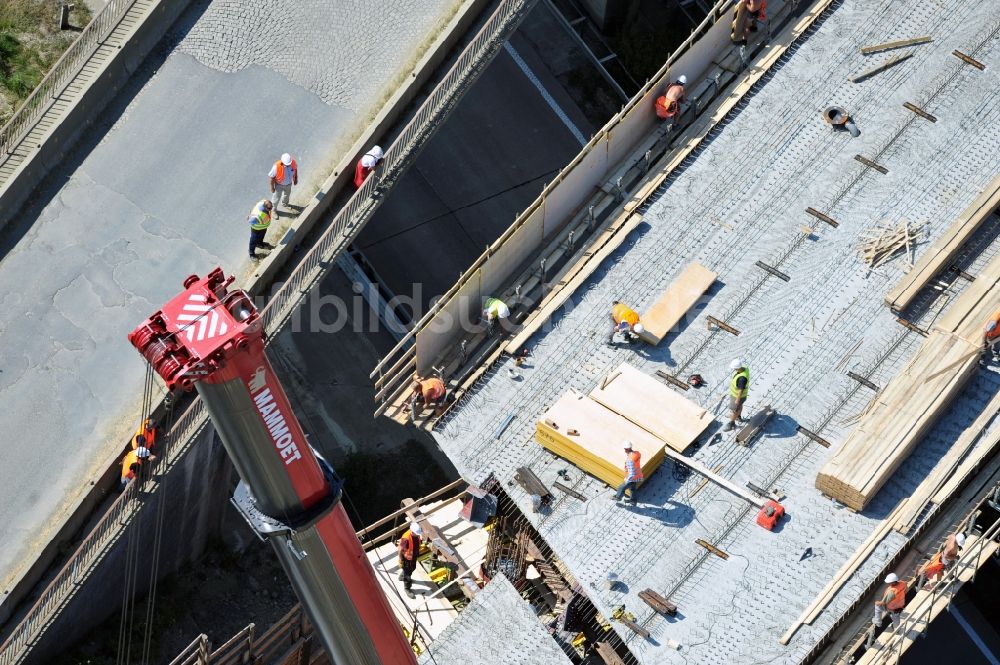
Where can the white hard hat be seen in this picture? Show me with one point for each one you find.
(416, 529)
(638, 328)
(628, 445)
(503, 311)
(286, 159)
(368, 161)
(891, 578)
(682, 79)
(960, 539)
(142, 452)
(737, 364)
(376, 152)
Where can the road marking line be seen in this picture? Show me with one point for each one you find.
(519, 61)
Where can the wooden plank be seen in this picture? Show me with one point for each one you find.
(849, 567)
(900, 416)
(712, 548)
(608, 654)
(754, 425)
(946, 467)
(675, 302)
(658, 602)
(892, 62)
(560, 296)
(943, 251)
(910, 106)
(714, 477)
(902, 43)
(663, 412)
(968, 60)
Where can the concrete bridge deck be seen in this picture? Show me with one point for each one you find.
(157, 190)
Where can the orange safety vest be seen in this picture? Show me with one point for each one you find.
(146, 431)
(622, 312)
(898, 598)
(432, 389)
(633, 467)
(127, 462)
(668, 104)
(409, 546)
(758, 6)
(279, 171)
(935, 566)
(992, 327)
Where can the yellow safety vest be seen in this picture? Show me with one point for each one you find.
(259, 218)
(735, 392)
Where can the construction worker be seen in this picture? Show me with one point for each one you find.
(991, 335)
(409, 551)
(283, 175)
(259, 219)
(626, 323)
(754, 11)
(739, 388)
(366, 165)
(942, 560)
(892, 601)
(633, 474)
(133, 462)
(430, 392)
(494, 311)
(145, 435)
(668, 105)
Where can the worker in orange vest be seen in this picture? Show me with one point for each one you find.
(283, 175)
(626, 323)
(133, 462)
(633, 474)
(991, 335)
(943, 559)
(430, 392)
(366, 165)
(668, 105)
(756, 11)
(409, 551)
(892, 601)
(145, 435)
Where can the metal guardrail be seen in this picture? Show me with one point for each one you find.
(62, 74)
(346, 225)
(390, 372)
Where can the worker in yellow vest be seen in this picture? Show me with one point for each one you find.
(991, 335)
(283, 174)
(739, 388)
(430, 392)
(409, 552)
(626, 323)
(259, 219)
(494, 311)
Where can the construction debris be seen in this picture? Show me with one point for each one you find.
(882, 243)
(888, 46)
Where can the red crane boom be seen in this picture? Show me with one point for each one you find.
(212, 339)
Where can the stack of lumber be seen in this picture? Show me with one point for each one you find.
(909, 405)
(651, 405)
(881, 244)
(899, 417)
(679, 297)
(943, 251)
(591, 436)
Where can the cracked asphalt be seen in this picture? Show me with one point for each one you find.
(164, 194)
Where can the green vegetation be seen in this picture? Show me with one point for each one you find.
(30, 43)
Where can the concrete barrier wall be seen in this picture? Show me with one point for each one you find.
(99, 93)
(195, 492)
(562, 198)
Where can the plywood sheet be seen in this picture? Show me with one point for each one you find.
(675, 302)
(596, 447)
(665, 413)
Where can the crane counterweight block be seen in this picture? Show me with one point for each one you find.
(211, 340)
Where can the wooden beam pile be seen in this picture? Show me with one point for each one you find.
(909, 405)
(883, 243)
